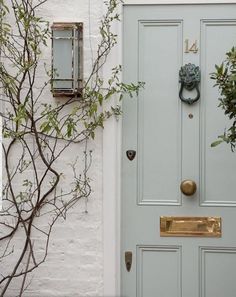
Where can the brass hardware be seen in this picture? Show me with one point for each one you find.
(131, 154)
(188, 187)
(128, 260)
(193, 48)
(190, 226)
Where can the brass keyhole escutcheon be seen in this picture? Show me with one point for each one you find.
(128, 260)
(188, 187)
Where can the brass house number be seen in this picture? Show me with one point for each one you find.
(191, 48)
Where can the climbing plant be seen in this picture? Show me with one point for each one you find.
(225, 80)
(38, 132)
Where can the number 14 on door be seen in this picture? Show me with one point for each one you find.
(190, 48)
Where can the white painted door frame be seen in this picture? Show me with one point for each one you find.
(112, 165)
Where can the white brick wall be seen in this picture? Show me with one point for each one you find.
(74, 266)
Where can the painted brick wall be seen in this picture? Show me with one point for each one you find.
(74, 266)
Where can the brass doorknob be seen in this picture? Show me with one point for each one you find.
(188, 187)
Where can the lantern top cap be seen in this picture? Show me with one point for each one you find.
(66, 25)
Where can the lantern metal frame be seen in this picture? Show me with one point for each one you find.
(76, 75)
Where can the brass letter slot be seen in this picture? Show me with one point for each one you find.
(190, 226)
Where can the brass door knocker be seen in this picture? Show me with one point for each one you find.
(189, 78)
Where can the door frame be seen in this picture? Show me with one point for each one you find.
(112, 163)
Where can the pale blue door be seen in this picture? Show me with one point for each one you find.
(172, 142)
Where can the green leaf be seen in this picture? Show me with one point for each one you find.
(100, 99)
(215, 143)
(92, 134)
(45, 127)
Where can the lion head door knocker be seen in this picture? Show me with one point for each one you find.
(189, 78)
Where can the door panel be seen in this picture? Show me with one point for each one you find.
(172, 141)
(159, 157)
(216, 189)
(215, 265)
(166, 267)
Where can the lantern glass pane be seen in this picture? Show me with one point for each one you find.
(65, 33)
(62, 63)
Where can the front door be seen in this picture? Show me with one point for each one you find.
(196, 256)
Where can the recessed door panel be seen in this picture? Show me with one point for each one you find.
(218, 186)
(159, 157)
(218, 269)
(162, 264)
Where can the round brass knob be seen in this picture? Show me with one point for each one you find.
(188, 187)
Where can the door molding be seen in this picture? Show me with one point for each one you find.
(112, 164)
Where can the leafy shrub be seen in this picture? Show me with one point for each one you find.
(225, 77)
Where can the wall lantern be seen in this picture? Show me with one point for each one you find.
(67, 39)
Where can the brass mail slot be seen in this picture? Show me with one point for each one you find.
(190, 226)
